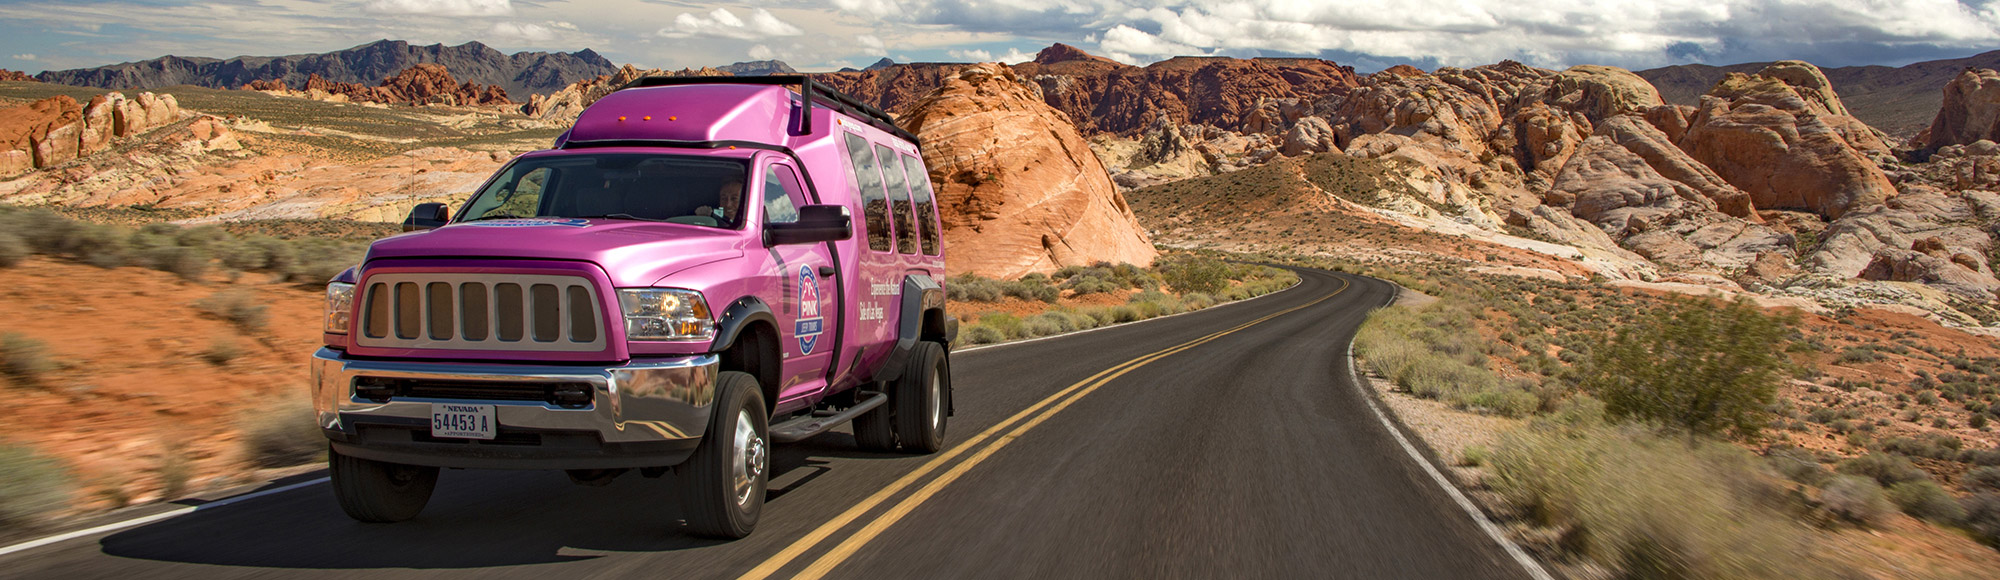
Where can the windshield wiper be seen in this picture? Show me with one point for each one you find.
(618, 216)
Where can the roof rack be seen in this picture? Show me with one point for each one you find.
(813, 91)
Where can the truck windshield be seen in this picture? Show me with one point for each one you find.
(703, 191)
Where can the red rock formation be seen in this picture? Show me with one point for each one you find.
(423, 84)
(17, 76)
(1789, 146)
(57, 129)
(564, 105)
(1020, 189)
(270, 85)
(1971, 111)
(1104, 96)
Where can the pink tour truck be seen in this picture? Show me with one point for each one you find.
(679, 283)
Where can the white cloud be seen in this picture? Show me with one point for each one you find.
(563, 25)
(522, 31)
(25, 56)
(872, 43)
(761, 52)
(972, 55)
(724, 24)
(440, 7)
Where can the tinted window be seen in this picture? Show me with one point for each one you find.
(899, 198)
(779, 204)
(927, 217)
(704, 191)
(874, 207)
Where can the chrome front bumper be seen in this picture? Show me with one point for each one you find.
(641, 414)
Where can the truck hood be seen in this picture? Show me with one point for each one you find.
(633, 253)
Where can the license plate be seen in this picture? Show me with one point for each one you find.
(462, 421)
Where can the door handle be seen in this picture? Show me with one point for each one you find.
(826, 271)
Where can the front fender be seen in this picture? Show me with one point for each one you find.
(737, 317)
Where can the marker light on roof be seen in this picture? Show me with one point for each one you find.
(646, 118)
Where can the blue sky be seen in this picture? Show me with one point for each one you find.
(1369, 34)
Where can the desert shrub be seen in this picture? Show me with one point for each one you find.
(1032, 287)
(1008, 325)
(1041, 325)
(285, 436)
(1983, 477)
(176, 470)
(1884, 468)
(1983, 457)
(1695, 365)
(30, 486)
(13, 249)
(221, 351)
(1193, 274)
(239, 307)
(981, 334)
(1798, 465)
(1125, 313)
(1504, 400)
(1648, 506)
(187, 262)
(1197, 300)
(1924, 499)
(1915, 447)
(23, 360)
(1855, 499)
(1982, 517)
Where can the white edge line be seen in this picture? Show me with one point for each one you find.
(1111, 326)
(167, 515)
(1528, 563)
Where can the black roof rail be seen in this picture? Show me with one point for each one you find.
(813, 91)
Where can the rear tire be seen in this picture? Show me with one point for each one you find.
(379, 491)
(921, 399)
(875, 430)
(725, 479)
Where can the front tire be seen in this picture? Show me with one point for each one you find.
(379, 491)
(922, 399)
(726, 477)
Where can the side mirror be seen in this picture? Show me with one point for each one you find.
(817, 223)
(426, 216)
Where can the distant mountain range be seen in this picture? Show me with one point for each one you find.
(1898, 100)
(520, 74)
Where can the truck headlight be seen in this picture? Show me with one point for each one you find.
(665, 314)
(339, 307)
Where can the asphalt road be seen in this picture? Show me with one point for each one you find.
(1220, 444)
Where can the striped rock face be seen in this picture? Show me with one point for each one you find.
(1021, 190)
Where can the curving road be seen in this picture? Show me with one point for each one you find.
(1229, 442)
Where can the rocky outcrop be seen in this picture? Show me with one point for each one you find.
(1260, 95)
(1971, 111)
(423, 84)
(1787, 145)
(17, 76)
(1020, 189)
(57, 130)
(565, 105)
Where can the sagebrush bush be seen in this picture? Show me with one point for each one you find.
(1983, 478)
(1193, 274)
(283, 436)
(1982, 517)
(1923, 499)
(30, 486)
(221, 351)
(1799, 465)
(1855, 499)
(1648, 506)
(24, 360)
(13, 249)
(978, 333)
(1696, 365)
(1884, 468)
(239, 307)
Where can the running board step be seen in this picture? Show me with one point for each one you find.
(804, 428)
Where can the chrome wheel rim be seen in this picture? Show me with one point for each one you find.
(937, 403)
(749, 458)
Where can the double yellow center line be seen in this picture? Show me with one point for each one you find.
(1020, 423)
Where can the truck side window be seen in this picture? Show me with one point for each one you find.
(517, 195)
(920, 187)
(899, 197)
(874, 206)
(778, 205)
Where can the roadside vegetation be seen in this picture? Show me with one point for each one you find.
(1661, 437)
(1102, 294)
(193, 253)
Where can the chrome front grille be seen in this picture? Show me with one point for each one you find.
(510, 312)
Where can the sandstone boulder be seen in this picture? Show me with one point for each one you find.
(1020, 188)
(1970, 112)
(17, 76)
(1309, 135)
(1911, 266)
(1782, 144)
